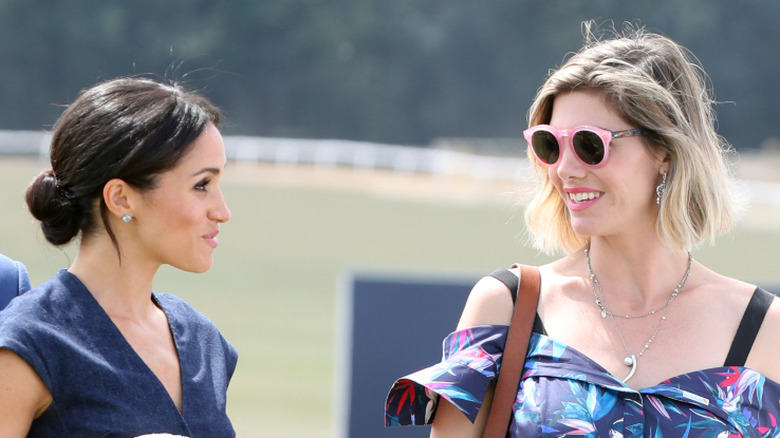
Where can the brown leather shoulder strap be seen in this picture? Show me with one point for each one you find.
(514, 353)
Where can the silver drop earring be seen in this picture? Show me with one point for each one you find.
(659, 190)
(127, 218)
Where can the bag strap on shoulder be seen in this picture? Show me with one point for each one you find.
(515, 350)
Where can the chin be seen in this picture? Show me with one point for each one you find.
(202, 267)
(198, 267)
(584, 228)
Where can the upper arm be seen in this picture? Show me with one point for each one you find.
(450, 422)
(23, 395)
(489, 303)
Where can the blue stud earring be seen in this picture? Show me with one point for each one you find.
(127, 218)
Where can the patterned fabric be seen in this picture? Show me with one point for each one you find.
(565, 393)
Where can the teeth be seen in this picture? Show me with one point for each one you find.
(583, 196)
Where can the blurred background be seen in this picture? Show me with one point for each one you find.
(364, 135)
(399, 72)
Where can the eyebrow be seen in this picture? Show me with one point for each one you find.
(213, 170)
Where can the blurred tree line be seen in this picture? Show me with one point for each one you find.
(391, 71)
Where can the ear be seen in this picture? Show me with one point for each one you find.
(118, 196)
(665, 163)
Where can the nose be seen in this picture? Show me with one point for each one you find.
(568, 165)
(220, 212)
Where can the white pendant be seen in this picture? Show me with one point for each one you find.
(603, 313)
(630, 362)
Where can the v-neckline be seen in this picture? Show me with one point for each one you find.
(116, 332)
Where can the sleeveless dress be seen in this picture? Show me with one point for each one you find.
(564, 393)
(100, 386)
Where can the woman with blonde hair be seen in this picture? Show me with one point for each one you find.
(633, 337)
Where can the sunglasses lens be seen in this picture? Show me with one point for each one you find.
(589, 147)
(545, 146)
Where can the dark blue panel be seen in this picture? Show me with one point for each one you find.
(398, 327)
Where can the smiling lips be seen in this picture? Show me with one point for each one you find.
(580, 199)
(211, 239)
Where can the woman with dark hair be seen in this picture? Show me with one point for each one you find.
(632, 337)
(94, 351)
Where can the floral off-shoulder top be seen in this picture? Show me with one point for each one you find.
(564, 393)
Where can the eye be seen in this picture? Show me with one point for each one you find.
(201, 185)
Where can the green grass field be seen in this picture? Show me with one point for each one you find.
(294, 232)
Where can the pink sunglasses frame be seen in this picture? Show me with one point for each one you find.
(605, 135)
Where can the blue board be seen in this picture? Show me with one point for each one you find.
(391, 325)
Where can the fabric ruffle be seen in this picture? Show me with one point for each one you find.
(470, 364)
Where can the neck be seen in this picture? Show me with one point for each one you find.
(123, 288)
(637, 278)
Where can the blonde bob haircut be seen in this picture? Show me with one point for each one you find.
(654, 84)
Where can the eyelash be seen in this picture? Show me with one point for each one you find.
(202, 184)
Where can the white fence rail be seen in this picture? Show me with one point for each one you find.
(360, 156)
(369, 156)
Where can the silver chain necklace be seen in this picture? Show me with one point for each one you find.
(605, 311)
(601, 300)
(631, 360)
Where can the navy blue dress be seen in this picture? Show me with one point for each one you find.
(100, 386)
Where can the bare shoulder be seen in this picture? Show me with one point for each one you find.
(23, 394)
(765, 356)
(729, 292)
(734, 295)
(489, 302)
